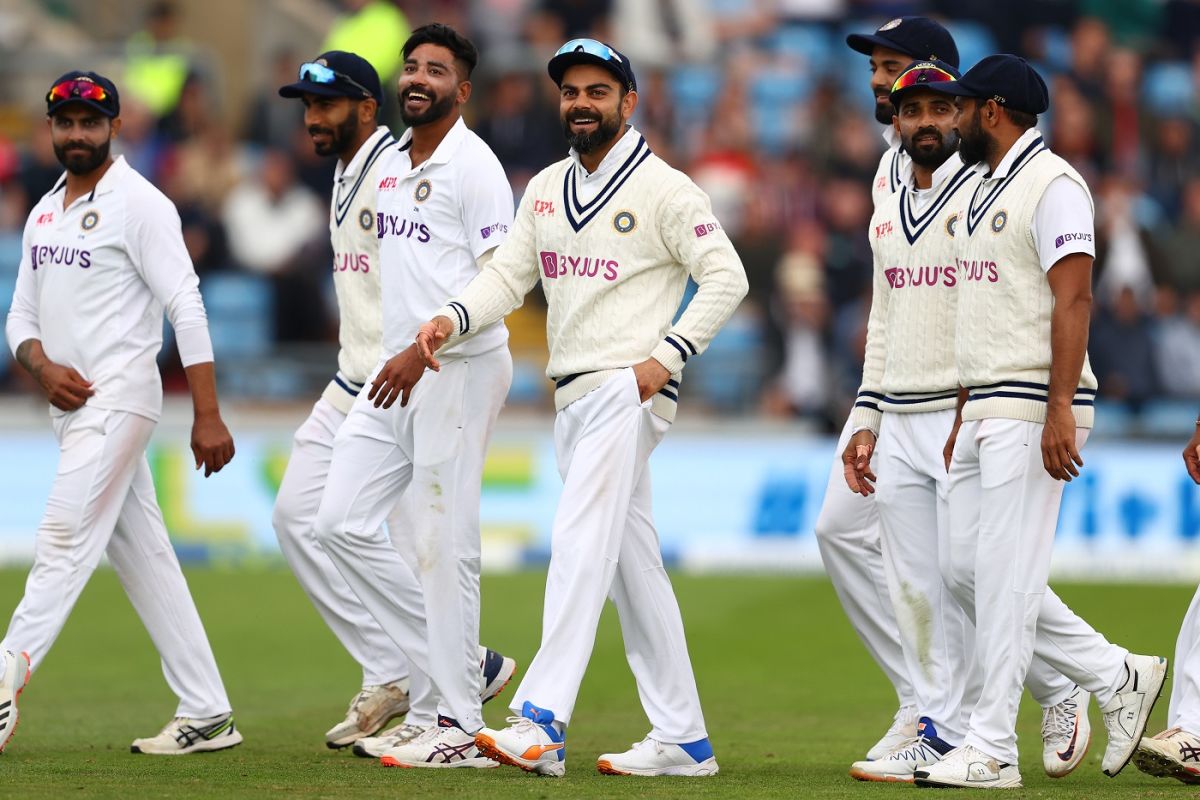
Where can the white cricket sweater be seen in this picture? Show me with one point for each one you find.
(94, 281)
(613, 268)
(1002, 336)
(909, 364)
(895, 167)
(356, 268)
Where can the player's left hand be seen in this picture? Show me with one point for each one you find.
(651, 377)
(1060, 456)
(397, 378)
(1191, 455)
(856, 463)
(212, 444)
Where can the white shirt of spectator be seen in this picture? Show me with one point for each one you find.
(94, 281)
(266, 232)
(434, 222)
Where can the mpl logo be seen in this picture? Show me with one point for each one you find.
(493, 228)
(45, 219)
(883, 229)
(549, 263)
(543, 208)
(707, 228)
(1072, 237)
(388, 183)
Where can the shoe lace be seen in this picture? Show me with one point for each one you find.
(173, 726)
(402, 731)
(362, 697)
(648, 744)
(520, 724)
(1058, 720)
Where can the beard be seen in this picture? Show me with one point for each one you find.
(607, 129)
(438, 108)
(82, 163)
(974, 144)
(936, 156)
(884, 111)
(339, 137)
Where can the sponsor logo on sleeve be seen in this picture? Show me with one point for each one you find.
(707, 228)
(496, 227)
(1072, 237)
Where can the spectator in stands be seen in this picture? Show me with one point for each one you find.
(375, 29)
(158, 60)
(1181, 243)
(1177, 343)
(1121, 347)
(801, 388)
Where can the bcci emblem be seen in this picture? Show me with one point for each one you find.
(424, 189)
(951, 224)
(624, 222)
(366, 220)
(90, 219)
(999, 221)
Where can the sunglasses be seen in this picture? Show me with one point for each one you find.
(82, 90)
(319, 73)
(918, 76)
(591, 47)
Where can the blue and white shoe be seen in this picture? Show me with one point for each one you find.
(497, 671)
(652, 758)
(530, 742)
(898, 765)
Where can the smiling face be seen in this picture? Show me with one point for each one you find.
(926, 123)
(82, 137)
(592, 108)
(332, 122)
(886, 66)
(430, 85)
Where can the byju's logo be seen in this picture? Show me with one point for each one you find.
(1072, 237)
(549, 263)
(493, 228)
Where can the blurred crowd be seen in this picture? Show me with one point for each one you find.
(762, 103)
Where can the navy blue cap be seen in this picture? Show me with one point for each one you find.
(109, 106)
(336, 73)
(1007, 79)
(591, 51)
(922, 75)
(916, 37)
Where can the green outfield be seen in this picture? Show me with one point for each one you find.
(790, 696)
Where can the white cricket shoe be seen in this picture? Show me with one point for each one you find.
(184, 735)
(376, 746)
(369, 711)
(904, 729)
(1174, 753)
(1127, 713)
(652, 758)
(967, 768)
(906, 758)
(12, 682)
(444, 746)
(530, 742)
(1066, 734)
(497, 671)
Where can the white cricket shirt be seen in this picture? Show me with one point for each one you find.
(94, 281)
(434, 222)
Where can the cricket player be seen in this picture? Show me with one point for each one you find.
(102, 259)
(342, 93)
(1024, 251)
(444, 204)
(1175, 752)
(613, 233)
(847, 527)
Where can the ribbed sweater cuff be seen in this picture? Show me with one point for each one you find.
(863, 417)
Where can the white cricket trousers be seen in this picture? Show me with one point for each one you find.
(604, 545)
(433, 450)
(848, 537)
(102, 501)
(1003, 515)
(936, 634)
(294, 519)
(1184, 711)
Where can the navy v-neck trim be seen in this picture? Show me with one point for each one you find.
(580, 215)
(976, 213)
(342, 207)
(916, 224)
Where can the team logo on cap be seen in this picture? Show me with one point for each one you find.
(624, 221)
(89, 221)
(887, 26)
(999, 221)
(424, 189)
(951, 224)
(366, 220)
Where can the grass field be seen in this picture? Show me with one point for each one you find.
(790, 697)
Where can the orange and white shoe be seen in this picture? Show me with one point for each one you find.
(1066, 734)
(530, 742)
(13, 678)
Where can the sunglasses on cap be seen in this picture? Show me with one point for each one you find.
(591, 47)
(77, 89)
(918, 76)
(319, 73)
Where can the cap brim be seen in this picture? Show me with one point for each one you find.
(106, 111)
(955, 88)
(865, 43)
(301, 88)
(559, 65)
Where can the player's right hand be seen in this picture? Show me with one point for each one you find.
(397, 378)
(856, 463)
(64, 387)
(430, 337)
(1191, 455)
